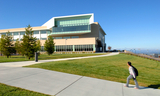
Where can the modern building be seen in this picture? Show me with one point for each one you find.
(70, 33)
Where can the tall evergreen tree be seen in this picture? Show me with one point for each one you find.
(38, 45)
(29, 43)
(49, 45)
(18, 47)
(6, 44)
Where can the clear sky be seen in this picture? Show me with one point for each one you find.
(127, 23)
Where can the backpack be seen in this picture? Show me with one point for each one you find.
(135, 70)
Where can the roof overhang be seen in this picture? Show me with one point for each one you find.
(23, 29)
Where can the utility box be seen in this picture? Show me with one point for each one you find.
(36, 57)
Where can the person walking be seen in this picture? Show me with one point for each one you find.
(132, 75)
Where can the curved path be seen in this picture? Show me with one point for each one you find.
(64, 84)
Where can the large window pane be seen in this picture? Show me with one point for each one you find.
(71, 28)
(75, 36)
(58, 38)
(66, 37)
(36, 32)
(22, 33)
(10, 34)
(3, 33)
(43, 38)
(43, 32)
(15, 33)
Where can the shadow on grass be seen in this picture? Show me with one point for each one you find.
(154, 86)
(17, 57)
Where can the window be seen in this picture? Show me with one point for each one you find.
(3, 34)
(48, 32)
(66, 37)
(43, 38)
(83, 47)
(72, 22)
(75, 36)
(36, 32)
(58, 37)
(43, 32)
(15, 33)
(42, 48)
(64, 48)
(22, 33)
(71, 28)
(10, 34)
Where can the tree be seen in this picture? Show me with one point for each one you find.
(109, 48)
(18, 47)
(29, 43)
(6, 44)
(0, 48)
(38, 45)
(49, 45)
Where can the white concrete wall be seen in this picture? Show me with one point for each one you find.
(49, 23)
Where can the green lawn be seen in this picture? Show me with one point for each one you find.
(43, 57)
(6, 90)
(112, 68)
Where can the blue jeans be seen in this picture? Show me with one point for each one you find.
(135, 81)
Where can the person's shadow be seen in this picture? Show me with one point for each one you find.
(154, 86)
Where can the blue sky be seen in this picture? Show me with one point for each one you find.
(128, 23)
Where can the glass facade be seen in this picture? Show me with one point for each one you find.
(76, 48)
(58, 38)
(3, 33)
(66, 37)
(36, 32)
(22, 33)
(15, 33)
(42, 49)
(43, 32)
(75, 36)
(83, 47)
(71, 28)
(43, 38)
(10, 34)
(64, 48)
(72, 22)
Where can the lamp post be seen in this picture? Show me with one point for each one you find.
(103, 44)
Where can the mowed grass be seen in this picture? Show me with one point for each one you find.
(42, 57)
(112, 68)
(6, 90)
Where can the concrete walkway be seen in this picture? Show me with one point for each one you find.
(26, 63)
(64, 84)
